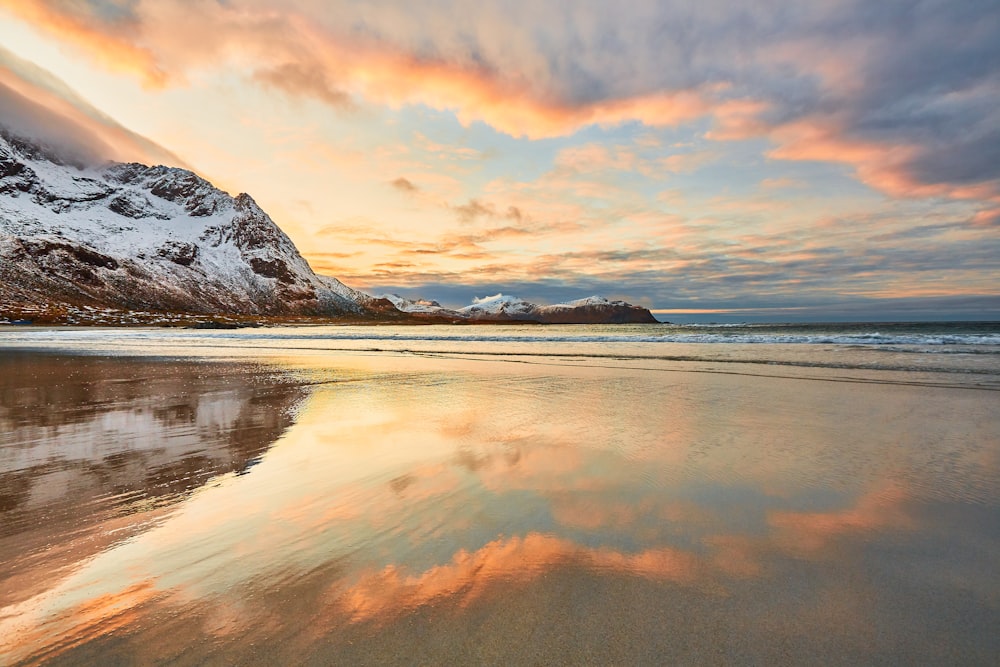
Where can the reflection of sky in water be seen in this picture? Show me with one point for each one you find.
(801, 517)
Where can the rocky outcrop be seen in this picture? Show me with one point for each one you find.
(596, 310)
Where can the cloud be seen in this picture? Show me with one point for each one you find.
(900, 270)
(474, 209)
(38, 106)
(781, 183)
(866, 86)
(844, 81)
(594, 157)
(108, 37)
(404, 185)
(444, 151)
(303, 80)
(390, 56)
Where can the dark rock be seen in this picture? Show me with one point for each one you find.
(183, 254)
(304, 294)
(381, 306)
(175, 188)
(19, 177)
(180, 186)
(86, 276)
(274, 268)
(252, 229)
(126, 173)
(81, 254)
(11, 167)
(135, 206)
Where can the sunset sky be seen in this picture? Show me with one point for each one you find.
(769, 159)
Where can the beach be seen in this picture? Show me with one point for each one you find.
(500, 495)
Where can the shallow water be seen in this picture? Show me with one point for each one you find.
(969, 348)
(259, 497)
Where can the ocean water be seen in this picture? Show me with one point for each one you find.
(971, 347)
(764, 494)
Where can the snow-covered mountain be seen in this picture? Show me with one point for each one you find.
(133, 237)
(418, 306)
(503, 308)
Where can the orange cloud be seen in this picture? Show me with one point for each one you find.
(291, 52)
(396, 79)
(883, 165)
(738, 119)
(114, 51)
(878, 164)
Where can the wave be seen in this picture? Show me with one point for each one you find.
(873, 339)
(974, 342)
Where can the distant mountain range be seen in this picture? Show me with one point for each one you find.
(82, 244)
(502, 308)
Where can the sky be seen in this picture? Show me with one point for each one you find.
(776, 160)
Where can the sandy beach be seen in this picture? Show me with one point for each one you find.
(317, 506)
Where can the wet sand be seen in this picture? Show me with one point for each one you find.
(356, 508)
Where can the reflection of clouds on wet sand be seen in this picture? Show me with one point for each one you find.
(439, 497)
(95, 450)
(382, 595)
(813, 534)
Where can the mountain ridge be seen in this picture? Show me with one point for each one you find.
(506, 308)
(129, 236)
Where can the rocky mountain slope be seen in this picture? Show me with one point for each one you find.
(138, 238)
(503, 308)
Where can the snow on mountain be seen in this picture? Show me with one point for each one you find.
(499, 306)
(505, 308)
(418, 306)
(152, 238)
(589, 301)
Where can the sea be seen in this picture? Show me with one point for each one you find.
(501, 494)
(942, 350)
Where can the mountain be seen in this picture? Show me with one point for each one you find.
(503, 308)
(125, 243)
(137, 238)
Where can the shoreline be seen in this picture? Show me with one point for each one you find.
(270, 350)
